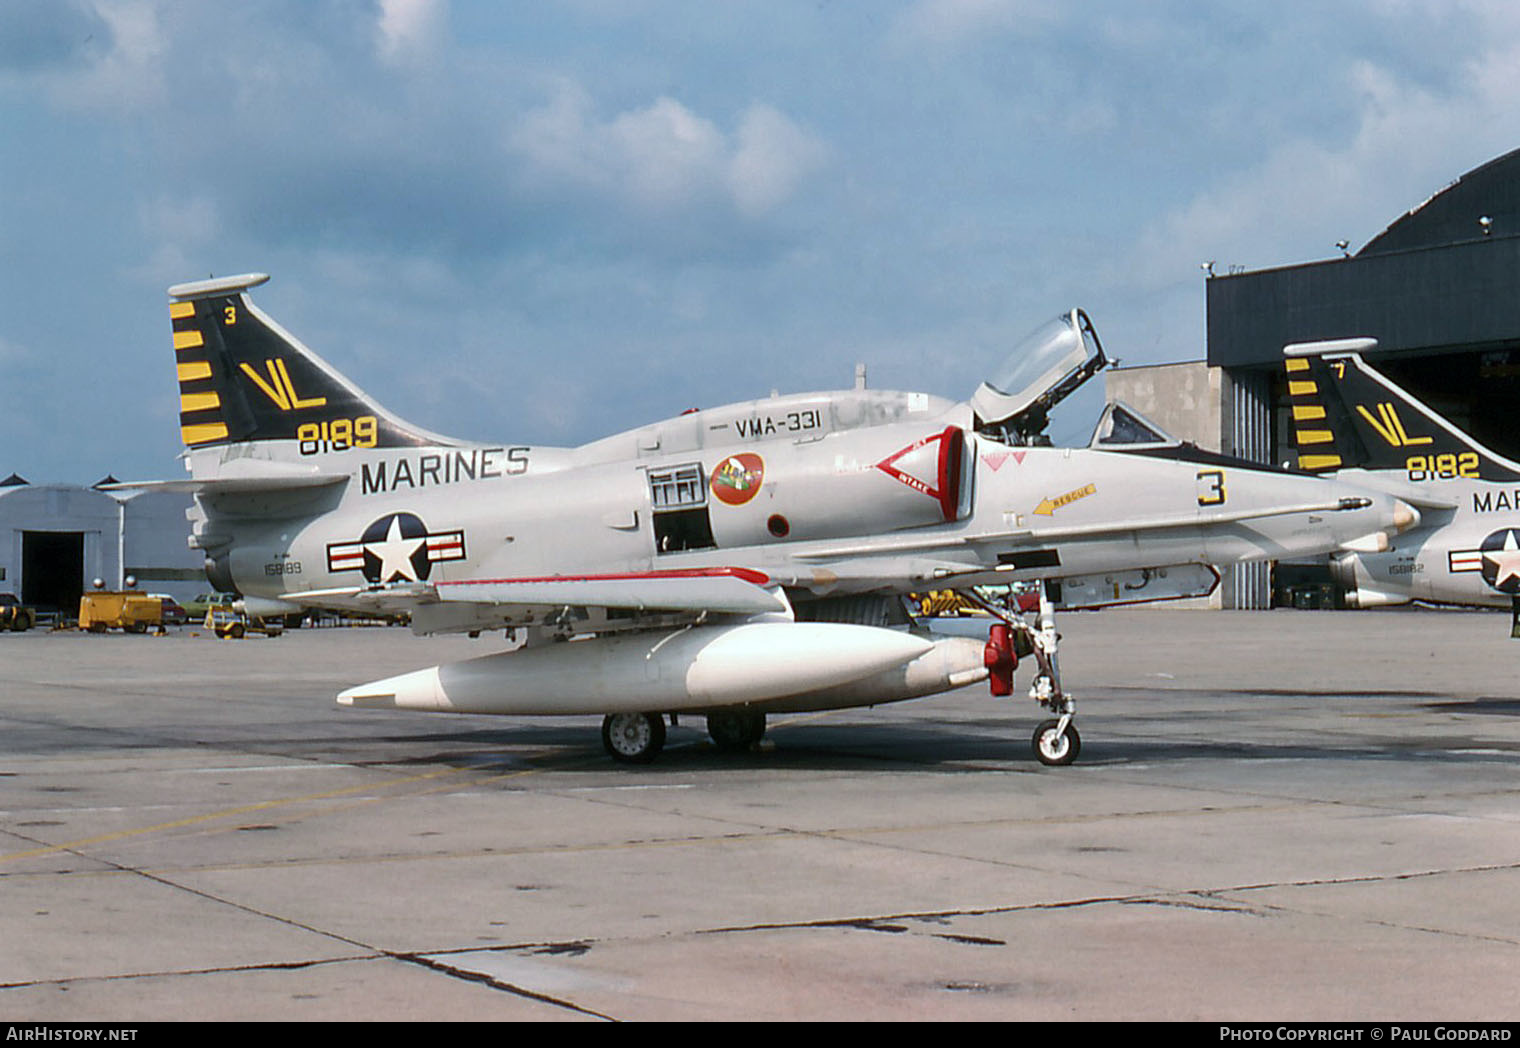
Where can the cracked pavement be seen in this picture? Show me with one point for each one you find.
(1303, 815)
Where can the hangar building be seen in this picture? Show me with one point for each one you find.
(55, 539)
(1440, 291)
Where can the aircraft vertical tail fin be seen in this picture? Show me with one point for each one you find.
(1345, 415)
(244, 379)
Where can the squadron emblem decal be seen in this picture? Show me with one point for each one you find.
(737, 478)
(396, 548)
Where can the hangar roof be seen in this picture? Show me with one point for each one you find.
(1453, 215)
(1435, 280)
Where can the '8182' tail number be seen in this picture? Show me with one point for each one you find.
(1446, 466)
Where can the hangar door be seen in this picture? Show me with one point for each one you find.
(52, 569)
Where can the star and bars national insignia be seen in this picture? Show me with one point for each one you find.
(396, 548)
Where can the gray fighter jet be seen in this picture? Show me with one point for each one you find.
(1354, 423)
(729, 562)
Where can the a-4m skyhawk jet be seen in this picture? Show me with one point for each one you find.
(730, 562)
(1355, 423)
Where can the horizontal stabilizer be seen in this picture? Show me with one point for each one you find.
(232, 485)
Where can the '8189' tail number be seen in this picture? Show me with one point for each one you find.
(339, 434)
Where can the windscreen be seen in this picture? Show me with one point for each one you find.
(1122, 424)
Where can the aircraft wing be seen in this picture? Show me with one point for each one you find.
(1192, 521)
(1056, 533)
(734, 590)
(469, 604)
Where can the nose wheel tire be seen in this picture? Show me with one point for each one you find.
(1055, 747)
(633, 738)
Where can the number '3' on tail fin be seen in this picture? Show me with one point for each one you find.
(244, 379)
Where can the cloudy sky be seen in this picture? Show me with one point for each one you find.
(545, 222)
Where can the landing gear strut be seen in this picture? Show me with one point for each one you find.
(1056, 742)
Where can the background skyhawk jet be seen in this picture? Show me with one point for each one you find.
(1358, 425)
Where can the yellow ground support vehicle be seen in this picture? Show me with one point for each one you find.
(120, 609)
(226, 621)
(14, 615)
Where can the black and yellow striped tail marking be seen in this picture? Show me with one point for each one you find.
(1312, 435)
(200, 406)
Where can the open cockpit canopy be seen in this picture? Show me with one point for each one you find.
(1043, 369)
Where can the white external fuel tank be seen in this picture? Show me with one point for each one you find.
(700, 667)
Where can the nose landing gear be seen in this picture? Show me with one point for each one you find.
(1055, 741)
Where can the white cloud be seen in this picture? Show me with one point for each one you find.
(664, 157)
(663, 154)
(554, 138)
(772, 156)
(1307, 193)
(176, 231)
(130, 73)
(1404, 138)
(410, 28)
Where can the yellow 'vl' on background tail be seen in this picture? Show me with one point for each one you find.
(1345, 415)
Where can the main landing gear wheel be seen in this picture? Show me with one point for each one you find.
(734, 731)
(633, 738)
(1054, 746)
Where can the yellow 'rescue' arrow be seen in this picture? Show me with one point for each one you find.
(1048, 506)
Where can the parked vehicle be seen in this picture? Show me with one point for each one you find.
(174, 612)
(119, 609)
(226, 621)
(204, 602)
(14, 615)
